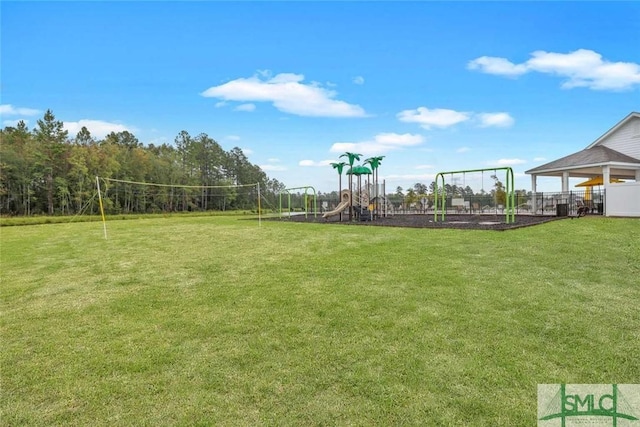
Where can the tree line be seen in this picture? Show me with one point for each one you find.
(46, 171)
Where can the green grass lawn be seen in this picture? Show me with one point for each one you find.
(216, 321)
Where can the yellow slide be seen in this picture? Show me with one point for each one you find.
(345, 197)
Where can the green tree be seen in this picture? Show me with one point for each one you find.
(499, 194)
(124, 139)
(165, 169)
(432, 187)
(184, 145)
(16, 169)
(398, 196)
(244, 173)
(78, 180)
(273, 190)
(411, 197)
(51, 137)
(420, 188)
(83, 137)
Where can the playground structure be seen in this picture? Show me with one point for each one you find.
(345, 202)
(364, 207)
(509, 205)
(366, 204)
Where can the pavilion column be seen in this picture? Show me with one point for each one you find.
(534, 190)
(565, 182)
(606, 180)
(606, 176)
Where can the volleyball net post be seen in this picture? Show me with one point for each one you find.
(104, 221)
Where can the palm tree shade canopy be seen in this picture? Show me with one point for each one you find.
(339, 166)
(374, 162)
(359, 170)
(352, 157)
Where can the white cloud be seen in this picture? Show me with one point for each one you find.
(359, 80)
(245, 107)
(247, 151)
(232, 138)
(10, 110)
(272, 168)
(399, 140)
(438, 117)
(443, 118)
(424, 167)
(311, 163)
(506, 162)
(98, 128)
(220, 104)
(539, 159)
(501, 120)
(273, 160)
(381, 143)
(499, 66)
(586, 68)
(580, 68)
(287, 93)
(462, 150)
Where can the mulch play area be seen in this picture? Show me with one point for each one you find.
(472, 222)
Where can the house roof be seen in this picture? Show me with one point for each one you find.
(614, 128)
(594, 155)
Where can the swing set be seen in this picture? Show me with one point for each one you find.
(306, 199)
(509, 188)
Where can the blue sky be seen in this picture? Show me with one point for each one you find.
(432, 86)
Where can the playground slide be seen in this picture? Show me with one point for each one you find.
(342, 206)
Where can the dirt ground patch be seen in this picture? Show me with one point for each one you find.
(472, 222)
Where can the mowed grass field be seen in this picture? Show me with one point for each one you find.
(216, 321)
